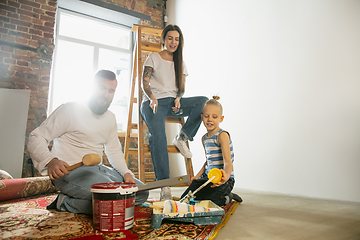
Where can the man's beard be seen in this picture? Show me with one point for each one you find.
(97, 108)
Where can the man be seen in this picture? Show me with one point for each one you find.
(78, 129)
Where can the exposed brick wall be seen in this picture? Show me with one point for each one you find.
(133, 159)
(27, 44)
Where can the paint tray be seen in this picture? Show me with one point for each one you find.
(197, 218)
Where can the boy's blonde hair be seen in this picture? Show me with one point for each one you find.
(214, 101)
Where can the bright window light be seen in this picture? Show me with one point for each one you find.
(83, 46)
(94, 30)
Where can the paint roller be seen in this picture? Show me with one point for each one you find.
(214, 176)
(90, 159)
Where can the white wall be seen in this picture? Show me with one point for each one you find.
(288, 74)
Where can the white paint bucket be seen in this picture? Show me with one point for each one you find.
(113, 206)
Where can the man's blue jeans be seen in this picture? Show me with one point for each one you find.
(76, 186)
(191, 107)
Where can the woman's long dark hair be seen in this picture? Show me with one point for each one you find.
(177, 56)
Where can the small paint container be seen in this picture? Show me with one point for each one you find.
(113, 206)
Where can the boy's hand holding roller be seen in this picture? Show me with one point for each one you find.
(221, 177)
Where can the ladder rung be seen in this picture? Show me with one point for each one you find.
(173, 120)
(150, 47)
(135, 126)
(171, 149)
(134, 151)
(149, 176)
(147, 30)
(123, 134)
(168, 120)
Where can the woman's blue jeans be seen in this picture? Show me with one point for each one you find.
(76, 186)
(191, 107)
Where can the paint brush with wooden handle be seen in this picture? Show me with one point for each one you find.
(90, 159)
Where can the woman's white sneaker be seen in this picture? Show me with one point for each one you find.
(181, 145)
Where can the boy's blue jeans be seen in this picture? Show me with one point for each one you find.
(216, 194)
(76, 186)
(191, 107)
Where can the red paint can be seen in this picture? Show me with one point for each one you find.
(113, 206)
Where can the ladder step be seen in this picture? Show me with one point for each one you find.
(172, 149)
(135, 126)
(123, 134)
(134, 151)
(147, 30)
(150, 47)
(149, 176)
(173, 120)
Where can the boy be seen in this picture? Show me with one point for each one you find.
(219, 154)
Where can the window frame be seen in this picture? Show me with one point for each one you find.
(97, 46)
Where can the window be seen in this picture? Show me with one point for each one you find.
(85, 45)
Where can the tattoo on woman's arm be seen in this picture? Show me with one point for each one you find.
(146, 81)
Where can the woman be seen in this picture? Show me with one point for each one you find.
(163, 84)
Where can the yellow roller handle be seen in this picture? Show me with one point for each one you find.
(217, 173)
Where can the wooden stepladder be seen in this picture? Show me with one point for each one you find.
(141, 126)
